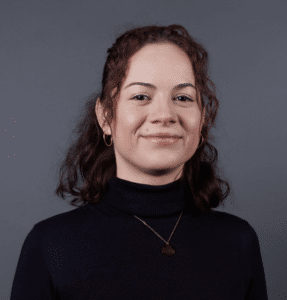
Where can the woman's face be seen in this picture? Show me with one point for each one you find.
(144, 110)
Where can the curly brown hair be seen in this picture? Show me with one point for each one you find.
(96, 162)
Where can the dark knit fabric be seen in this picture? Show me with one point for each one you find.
(101, 251)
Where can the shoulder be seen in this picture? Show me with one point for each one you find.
(63, 224)
(231, 221)
(235, 227)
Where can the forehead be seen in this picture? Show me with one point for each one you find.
(161, 62)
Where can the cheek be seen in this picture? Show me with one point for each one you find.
(131, 118)
(125, 113)
(125, 131)
(128, 122)
(193, 124)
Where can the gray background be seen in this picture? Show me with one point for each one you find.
(52, 55)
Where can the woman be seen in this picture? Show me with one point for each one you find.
(145, 227)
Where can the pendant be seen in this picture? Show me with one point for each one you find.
(167, 250)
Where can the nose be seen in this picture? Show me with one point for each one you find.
(163, 111)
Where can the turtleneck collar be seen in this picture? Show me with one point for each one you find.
(145, 200)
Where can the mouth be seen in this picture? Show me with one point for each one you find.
(166, 136)
(163, 141)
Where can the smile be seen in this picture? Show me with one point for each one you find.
(162, 141)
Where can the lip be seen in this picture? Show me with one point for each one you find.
(163, 135)
(163, 141)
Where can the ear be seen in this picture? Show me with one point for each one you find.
(203, 111)
(202, 118)
(101, 118)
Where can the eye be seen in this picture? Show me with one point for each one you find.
(189, 99)
(142, 95)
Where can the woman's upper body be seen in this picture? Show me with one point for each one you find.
(101, 251)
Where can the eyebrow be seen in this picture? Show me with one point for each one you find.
(177, 87)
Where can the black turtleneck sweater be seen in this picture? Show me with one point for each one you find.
(101, 251)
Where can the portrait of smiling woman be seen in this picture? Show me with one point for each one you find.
(144, 226)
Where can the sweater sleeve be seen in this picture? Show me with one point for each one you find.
(257, 288)
(31, 280)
